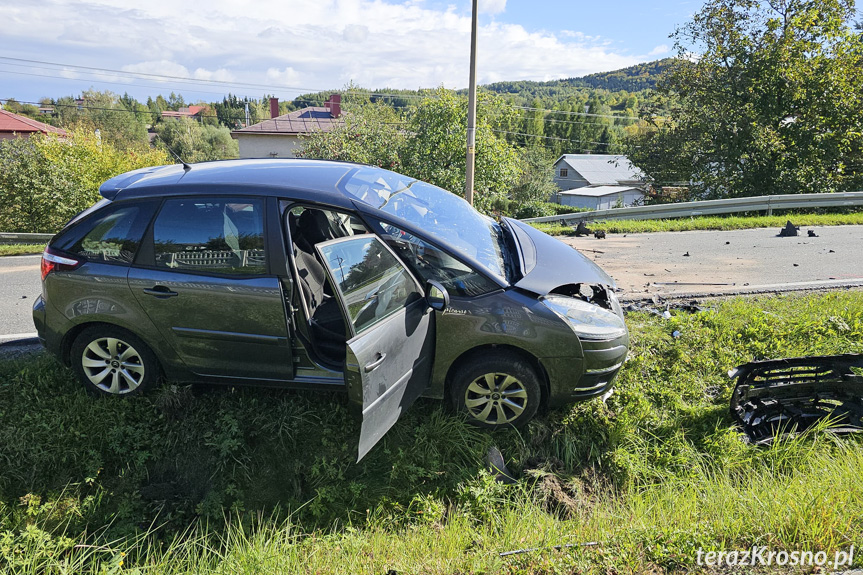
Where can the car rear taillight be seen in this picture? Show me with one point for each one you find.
(52, 260)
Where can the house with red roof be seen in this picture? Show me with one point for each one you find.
(279, 137)
(15, 126)
(185, 112)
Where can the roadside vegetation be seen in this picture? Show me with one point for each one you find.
(251, 480)
(21, 249)
(46, 180)
(802, 220)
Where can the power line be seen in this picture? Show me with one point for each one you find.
(576, 113)
(195, 81)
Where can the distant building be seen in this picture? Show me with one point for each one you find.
(279, 137)
(597, 181)
(186, 112)
(15, 126)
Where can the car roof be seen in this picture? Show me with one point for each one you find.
(308, 179)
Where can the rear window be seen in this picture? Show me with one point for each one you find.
(211, 235)
(111, 235)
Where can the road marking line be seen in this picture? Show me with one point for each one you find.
(18, 269)
(11, 336)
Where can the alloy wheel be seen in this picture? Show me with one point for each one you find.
(496, 398)
(113, 365)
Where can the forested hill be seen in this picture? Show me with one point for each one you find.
(632, 79)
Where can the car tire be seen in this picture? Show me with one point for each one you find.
(112, 361)
(496, 390)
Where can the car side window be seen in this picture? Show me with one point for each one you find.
(211, 235)
(112, 236)
(373, 284)
(432, 263)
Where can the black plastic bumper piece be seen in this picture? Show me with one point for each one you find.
(776, 397)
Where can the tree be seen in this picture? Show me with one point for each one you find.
(764, 99)
(194, 142)
(371, 134)
(45, 179)
(436, 150)
(121, 121)
(536, 182)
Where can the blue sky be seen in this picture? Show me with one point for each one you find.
(252, 47)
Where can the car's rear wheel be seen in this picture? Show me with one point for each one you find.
(496, 391)
(111, 361)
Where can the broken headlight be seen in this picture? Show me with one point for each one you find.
(587, 320)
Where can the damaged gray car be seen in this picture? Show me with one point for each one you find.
(326, 275)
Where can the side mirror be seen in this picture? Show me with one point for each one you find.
(437, 297)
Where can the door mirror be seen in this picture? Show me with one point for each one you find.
(436, 296)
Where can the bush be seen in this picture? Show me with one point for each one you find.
(45, 180)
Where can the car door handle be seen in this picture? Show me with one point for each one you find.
(160, 292)
(376, 363)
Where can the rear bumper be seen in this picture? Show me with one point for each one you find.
(50, 338)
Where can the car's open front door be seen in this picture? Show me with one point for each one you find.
(391, 347)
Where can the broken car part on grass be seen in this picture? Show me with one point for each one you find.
(777, 397)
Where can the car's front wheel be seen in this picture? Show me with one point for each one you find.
(496, 390)
(111, 361)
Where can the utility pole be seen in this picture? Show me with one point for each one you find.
(471, 112)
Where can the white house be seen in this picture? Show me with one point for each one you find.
(601, 197)
(597, 181)
(279, 137)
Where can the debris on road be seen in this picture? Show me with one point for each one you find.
(774, 398)
(663, 309)
(599, 234)
(812, 233)
(790, 230)
(686, 255)
(582, 230)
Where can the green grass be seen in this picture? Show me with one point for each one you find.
(251, 480)
(21, 249)
(708, 223)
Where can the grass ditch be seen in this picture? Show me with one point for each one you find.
(722, 223)
(252, 480)
(21, 249)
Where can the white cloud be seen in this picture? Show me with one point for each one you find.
(308, 44)
(286, 77)
(355, 33)
(659, 50)
(491, 6)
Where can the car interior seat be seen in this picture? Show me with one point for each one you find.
(325, 315)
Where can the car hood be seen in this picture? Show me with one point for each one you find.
(547, 263)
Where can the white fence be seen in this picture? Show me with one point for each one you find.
(710, 207)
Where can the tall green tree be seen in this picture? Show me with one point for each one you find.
(436, 150)
(194, 142)
(371, 134)
(765, 98)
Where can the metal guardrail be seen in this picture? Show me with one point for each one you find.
(9, 238)
(710, 207)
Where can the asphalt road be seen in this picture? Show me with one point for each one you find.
(19, 287)
(709, 262)
(641, 264)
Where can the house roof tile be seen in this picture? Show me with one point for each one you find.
(305, 121)
(10, 122)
